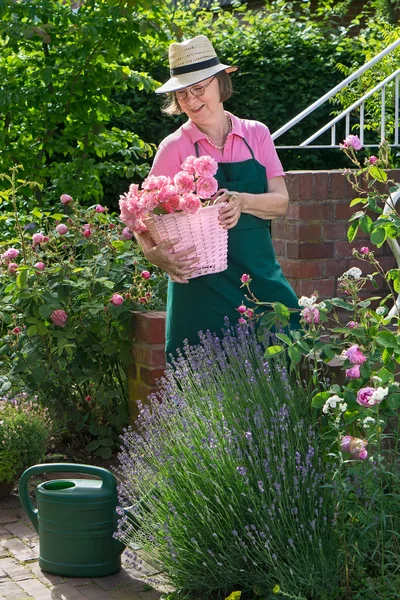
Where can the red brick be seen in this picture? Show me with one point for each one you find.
(321, 185)
(308, 232)
(302, 269)
(151, 355)
(337, 185)
(344, 211)
(295, 250)
(150, 376)
(310, 212)
(344, 249)
(324, 287)
(278, 228)
(388, 262)
(305, 186)
(335, 231)
(336, 268)
(149, 327)
(291, 181)
(280, 247)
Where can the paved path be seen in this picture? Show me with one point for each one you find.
(21, 578)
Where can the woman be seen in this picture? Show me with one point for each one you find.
(247, 165)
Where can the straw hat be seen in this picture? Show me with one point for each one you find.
(190, 62)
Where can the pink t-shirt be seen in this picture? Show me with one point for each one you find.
(179, 145)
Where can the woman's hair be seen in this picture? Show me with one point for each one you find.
(171, 106)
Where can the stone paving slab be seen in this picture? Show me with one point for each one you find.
(22, 579)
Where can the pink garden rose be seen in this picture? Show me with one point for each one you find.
(364, 396)
(40, 265)
(372, 160)
(250, 313)
(364, 250)
(59, 317)
(363, 454)
(310, 315)
(345, 443)
(62, 229)
(353, 141)
(99, 208)
(117, 299)
(242, 321)
(352, 324)
(184, 182)
(146, 274)
(206, 187)
(16, 330)
(205, 166)
(354, 372)
(190, 204)
(155, 183)
(357, 448)
(37, 238)
(86, 231)
(242, 309)
(188, 165)
(355, 356)
(127, 233)
(12, 267)
(245, 278)
(10, 253)
(66, 198)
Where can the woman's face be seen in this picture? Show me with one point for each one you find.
(201, 108)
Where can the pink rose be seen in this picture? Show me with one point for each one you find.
(45, 239)
(355, 356)
(62, 229)
(345, 443)
(59, 317)
(353, 141)
(190, 204)
(11, 253)
(250, 313)
(127, 233)
(146, 274)
(205, 166)
(364, 250)
(117, 299)
(242, 321)
(40, 265)
(184, 182)
(364, 395)
(99, 208)
(310, 315)
(155, 183)
(352, 324)
(148, 202)
(16, 330)
(188, 165)
(245, 278)
(172, 204)
(37, 238)
(88, 398)
(12, 267)
(357, 448)
(354, 372)
(206, 187)
(142, 300)
(66, 199)
(242, 309)
(372, 160)
(87, 232)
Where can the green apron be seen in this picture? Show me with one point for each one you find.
(204, 302)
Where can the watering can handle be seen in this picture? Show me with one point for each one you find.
(108, 481)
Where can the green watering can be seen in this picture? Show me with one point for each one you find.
(76, 520)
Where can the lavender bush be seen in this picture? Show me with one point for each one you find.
(225, 478)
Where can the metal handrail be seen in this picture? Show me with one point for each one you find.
(332, 93)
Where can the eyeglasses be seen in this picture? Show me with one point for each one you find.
(196, 90)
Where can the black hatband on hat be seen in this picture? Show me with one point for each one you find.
(204, 64)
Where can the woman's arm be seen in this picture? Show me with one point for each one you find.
(271, 205)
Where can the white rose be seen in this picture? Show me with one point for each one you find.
(379, 394)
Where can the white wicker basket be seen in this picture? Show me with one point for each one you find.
(201, 230)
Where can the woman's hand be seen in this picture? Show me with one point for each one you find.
(229, 215)
(177, 264)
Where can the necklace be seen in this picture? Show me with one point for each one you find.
(213, 144)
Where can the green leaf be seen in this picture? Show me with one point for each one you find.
(319, 399)
(107, 442)
(357, 215)
(93, 445)
(387, 355)
(31, 331)
(285, 338)
(45, 311)
(386, 339)
(104, 452)
(352, 232)
(378, 236)
(365, 370)
(378, 174)
(294, 355)
(281, 311)
(358, 201)
(394, 401)
(22, 278)
(273, 351)
(341, 303)
(366, 223)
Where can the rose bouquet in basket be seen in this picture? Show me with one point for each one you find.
(183, 207)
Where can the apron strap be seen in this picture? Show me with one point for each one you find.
(196, 147)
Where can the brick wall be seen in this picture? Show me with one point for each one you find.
(148, 357)
(311, 242)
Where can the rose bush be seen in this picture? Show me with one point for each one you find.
(69, 283)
